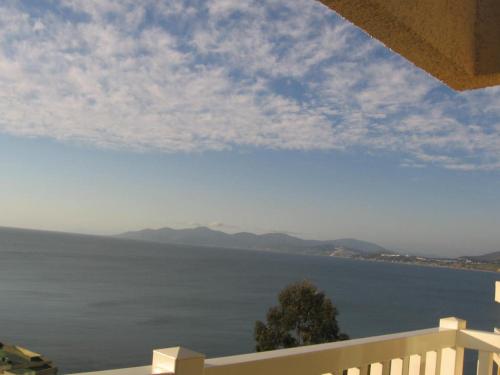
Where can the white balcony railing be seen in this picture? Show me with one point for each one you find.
(434, 351)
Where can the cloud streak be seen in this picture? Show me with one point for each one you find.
(183, 76)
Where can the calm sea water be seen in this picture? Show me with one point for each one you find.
(93, 303)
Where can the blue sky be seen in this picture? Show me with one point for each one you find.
(258, 115)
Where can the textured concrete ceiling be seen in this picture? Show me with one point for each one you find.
(457, 41)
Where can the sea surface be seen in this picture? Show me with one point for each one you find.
(94, 303)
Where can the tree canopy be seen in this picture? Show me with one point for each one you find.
(304, 316)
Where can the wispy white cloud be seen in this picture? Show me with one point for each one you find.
(178, 76)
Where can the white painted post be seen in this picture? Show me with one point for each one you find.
(497, 299)
(177, 361)
(452, 359)
(497, 291)
(495, 357)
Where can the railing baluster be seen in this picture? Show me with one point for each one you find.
(438, 361)
(414, 365)
(376, 368)
(431, 363)
(396, 366)
(448, 357)
(485, 363)
(362, 370)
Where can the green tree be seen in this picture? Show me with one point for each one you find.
(304, 316)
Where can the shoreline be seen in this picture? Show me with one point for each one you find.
(417, 264)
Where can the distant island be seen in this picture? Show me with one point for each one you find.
(280, 242)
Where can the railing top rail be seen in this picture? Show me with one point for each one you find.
(478, 340)
(450, 338)
(282, 353)
(324, 358)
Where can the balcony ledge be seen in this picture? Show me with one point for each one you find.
(455, 41)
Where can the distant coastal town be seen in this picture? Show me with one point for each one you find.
(488, 262)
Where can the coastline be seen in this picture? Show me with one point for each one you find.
(418, 264)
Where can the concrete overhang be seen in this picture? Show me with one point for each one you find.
(456, 41)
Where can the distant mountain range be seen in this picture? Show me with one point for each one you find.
(203, 236)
